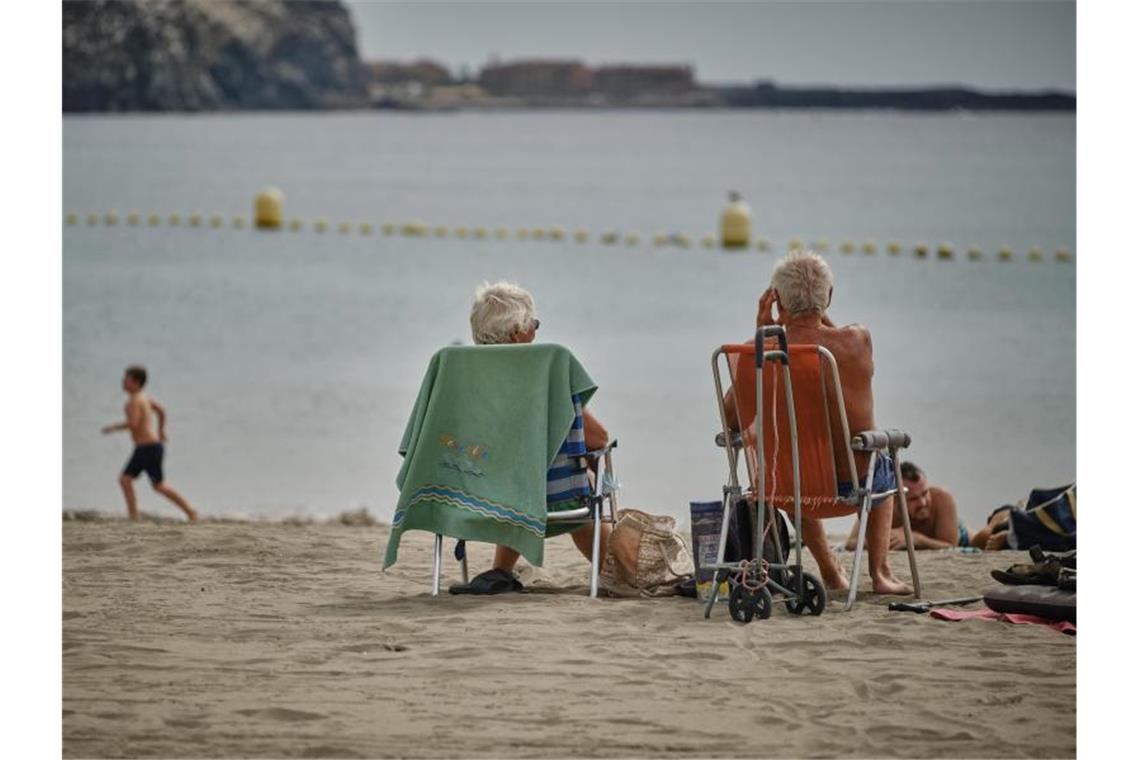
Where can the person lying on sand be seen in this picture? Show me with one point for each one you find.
(149, 449)
(801, 291)
(934, 522)
(505, 313)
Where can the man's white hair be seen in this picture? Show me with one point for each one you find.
(501, 309)
(803, 281)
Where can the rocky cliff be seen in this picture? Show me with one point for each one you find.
(192, 55)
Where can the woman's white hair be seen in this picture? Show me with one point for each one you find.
(501, 309)
(803, 281)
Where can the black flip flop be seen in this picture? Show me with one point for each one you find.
(489, 582)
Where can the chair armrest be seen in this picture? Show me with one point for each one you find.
(599, 453)
(877, 440)
(737, 440)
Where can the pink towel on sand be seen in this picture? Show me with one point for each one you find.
(1009, 617)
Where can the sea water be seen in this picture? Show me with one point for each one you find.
(289, 361)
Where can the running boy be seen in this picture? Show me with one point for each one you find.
(147, 456)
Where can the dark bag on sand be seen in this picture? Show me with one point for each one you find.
(1048, 520)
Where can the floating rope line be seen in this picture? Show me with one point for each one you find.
(944, 251)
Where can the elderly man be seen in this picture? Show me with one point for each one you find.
(505, 313)
(800, 293)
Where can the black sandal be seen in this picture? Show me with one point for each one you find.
(493, 581)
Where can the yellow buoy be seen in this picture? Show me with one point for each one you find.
(388, 228)
(480, 233)
(821, 246)
(133, 218)
(365, 228)
(344, 228)
(1005, 254)
(894, 249)
(1062, 255)
(975, 254)
(557, 233)
(795, 244)
(736, 223)
(869, 248)
(684, 241)
(709, 241)
(609, 238)
(440, 231)
(239, 222)
(1035, 254)
(414, 228)
(660, 239)
(538, 233)
(847, 247)
(295, 225)
(461, 232)
(269, 209)
(195, 220)
(522, 233)
(174, 220)
(634, 239)
(92, 219)
(945, 252)
(111, 218)
(153, 220)
(502, 233)
(216, 220)
(921, 250)
(320, 225)
(72, 217)
(581, 236)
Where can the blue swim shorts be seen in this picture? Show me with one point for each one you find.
(884, 479)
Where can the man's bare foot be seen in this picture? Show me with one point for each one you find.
(191, 515)
(889, 585)
(835, 580)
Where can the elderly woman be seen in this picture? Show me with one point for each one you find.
(505, 313)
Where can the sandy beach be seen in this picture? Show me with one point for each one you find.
(279, 640)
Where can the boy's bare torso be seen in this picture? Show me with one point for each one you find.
(140, 412)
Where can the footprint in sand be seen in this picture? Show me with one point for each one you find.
(282, 714)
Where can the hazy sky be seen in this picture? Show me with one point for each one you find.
(1012, 44)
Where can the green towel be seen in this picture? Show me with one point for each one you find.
(487, 423)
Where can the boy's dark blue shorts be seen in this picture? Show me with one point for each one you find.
(146, 458)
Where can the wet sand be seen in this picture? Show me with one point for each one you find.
(279, 640)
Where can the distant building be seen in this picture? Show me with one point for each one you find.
(627, 81)
(537, 78)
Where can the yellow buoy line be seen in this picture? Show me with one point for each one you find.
(944, 251)
(735, 232)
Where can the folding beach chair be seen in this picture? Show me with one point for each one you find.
(795, 439)
(494, 451)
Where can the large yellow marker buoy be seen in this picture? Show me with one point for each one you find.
(736, 223)
(269, 209)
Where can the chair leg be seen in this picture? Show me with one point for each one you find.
(901, 501)
(463, 568)
(864, 513)
(436, 561)
(595, 558)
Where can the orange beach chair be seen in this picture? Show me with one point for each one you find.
(802, 425)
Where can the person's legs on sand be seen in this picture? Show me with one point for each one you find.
(175, 497)
(815, 539)
(584, 540)
(128, 486)
(883, 580)
(505, 559)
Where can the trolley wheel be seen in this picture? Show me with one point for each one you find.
(815, 595)
(762, 601)
(741, 605)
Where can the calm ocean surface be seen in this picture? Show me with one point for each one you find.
(289, 361)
